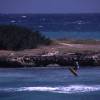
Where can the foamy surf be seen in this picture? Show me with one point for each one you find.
(60, 89)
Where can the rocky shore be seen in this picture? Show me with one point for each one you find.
(62, 60)
(59, 55)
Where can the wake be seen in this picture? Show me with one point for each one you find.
(59, 89)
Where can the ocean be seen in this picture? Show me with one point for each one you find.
(70, 26)
(49, 84)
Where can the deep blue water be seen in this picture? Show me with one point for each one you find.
(77, 26)
(49, 84)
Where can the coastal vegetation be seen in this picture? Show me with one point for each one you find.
(14, 37)
(80, 41)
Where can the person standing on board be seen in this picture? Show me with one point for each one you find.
(76, 65)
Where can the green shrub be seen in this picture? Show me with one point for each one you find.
(14, 37)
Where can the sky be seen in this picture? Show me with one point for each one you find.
(49, 6)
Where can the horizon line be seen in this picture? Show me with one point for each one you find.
(55, 13)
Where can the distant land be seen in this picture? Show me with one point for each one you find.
(21, 47)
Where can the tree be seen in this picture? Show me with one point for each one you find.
(14, 37)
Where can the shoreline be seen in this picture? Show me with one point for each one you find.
(61, 53)
(49, 67)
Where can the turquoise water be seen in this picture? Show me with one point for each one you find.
(73, 35)
(49, 84)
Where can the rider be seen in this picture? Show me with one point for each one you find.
(76, 65)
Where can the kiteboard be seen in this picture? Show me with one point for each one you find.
(73, 71)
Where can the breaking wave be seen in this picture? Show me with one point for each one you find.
(60, 89)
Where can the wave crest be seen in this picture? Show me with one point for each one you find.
(59, 89)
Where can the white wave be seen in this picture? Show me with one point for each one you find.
(40, 26)
(23, 16)
(60, 89)
(80, 22)
(13, 21)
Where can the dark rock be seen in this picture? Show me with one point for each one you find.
(62, 60)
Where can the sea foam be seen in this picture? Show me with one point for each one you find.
(59, 89)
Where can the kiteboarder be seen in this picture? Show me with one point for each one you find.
(74, 68)
(76, 65)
